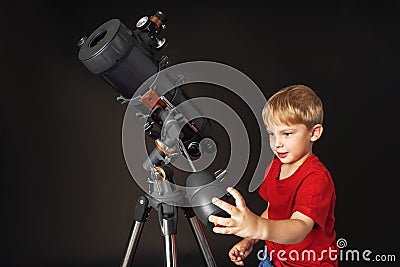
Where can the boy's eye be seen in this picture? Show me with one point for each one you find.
(287, 134)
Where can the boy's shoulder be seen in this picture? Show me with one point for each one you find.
(314, 163)
(313, 167)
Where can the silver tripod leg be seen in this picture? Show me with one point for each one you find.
(132, 244)
(170, 251)
(198, 232)
(168, 221)
(141, 212)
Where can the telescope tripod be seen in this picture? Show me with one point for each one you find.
(167, 215)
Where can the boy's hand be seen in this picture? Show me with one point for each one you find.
(240, 251)
(243, 222)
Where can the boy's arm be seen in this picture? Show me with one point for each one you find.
(290, 231)
(245, 223)
(263, 215)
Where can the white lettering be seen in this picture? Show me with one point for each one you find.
(280, 255)
(309, 253)
(261, 256)
(321, 257)
(352, 252)
(365, 254)
(296, 258)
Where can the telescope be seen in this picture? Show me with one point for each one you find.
(130, 62)
(125, 59)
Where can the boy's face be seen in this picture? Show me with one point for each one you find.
(291, 143)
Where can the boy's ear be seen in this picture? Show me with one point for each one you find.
(316, 132)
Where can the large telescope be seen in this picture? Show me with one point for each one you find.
(129, 61)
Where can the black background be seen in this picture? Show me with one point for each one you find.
(66, 195)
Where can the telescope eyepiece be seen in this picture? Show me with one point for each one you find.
(143, 23)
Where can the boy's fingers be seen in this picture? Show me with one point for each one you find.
(224, 230)
(239, 200)
(220, 221)
(238, 261)
(224, 205)
(241, 251)
(233, 253)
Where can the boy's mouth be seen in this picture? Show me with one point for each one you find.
(282, 155)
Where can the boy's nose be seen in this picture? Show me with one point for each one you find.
(278, 143)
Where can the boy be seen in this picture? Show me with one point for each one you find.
(298, 223)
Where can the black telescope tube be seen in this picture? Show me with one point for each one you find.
(118, 55)
(114, 52)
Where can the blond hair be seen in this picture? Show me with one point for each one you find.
(295, 104)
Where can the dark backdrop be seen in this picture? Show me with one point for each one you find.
(66, 195)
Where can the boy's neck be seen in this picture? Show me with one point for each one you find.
(287, 169)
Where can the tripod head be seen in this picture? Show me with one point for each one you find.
(128, 60)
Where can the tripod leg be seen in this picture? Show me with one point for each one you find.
(141, 213)
(168, 222)
(198, 232)
(170, 250)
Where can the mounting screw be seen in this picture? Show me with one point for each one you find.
(82, 41)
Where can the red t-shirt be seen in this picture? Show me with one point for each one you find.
(309, 190)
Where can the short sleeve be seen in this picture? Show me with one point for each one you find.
(314, 197)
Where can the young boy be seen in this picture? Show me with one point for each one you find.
(298, 223)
